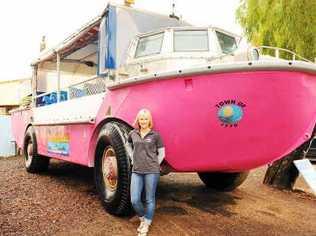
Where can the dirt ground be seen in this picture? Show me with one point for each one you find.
(63, 201)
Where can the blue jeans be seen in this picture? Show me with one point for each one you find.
(150, 182)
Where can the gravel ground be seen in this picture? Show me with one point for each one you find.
(63, 201)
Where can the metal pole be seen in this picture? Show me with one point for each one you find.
(277, 54)
(34, 85)
(58, 77)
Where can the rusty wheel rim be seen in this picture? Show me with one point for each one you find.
(110, 172)
(29, 153)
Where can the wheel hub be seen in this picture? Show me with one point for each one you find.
(29, 154)
(29, 150)
(110, 172)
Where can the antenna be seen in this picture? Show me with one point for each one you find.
(43, 43)
(173, 15)
(173, 8)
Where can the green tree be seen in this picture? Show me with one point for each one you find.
(289, 24)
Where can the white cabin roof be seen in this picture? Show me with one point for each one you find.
(85, 35)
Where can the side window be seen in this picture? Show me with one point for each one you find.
(228, 43)
(149, 45)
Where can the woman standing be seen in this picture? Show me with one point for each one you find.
(148, 153)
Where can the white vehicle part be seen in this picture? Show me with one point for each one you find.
(259, 65)
(79, 110)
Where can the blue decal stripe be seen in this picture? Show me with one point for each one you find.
(111, 33)
(58, 148)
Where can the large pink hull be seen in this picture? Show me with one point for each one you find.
(279, 115)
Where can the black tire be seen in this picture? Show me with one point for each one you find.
(114, 192)
(34, 163)
(223, 182)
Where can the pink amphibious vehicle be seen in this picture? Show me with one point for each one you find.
(221, 111)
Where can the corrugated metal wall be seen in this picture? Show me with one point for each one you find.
(7, 147)
(11, 92)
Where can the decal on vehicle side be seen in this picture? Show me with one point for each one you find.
(58, 141)
(230, 112)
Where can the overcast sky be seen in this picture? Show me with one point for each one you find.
(22, 24)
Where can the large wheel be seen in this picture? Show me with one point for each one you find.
(223, 181)
(34, 163)
(113, 170)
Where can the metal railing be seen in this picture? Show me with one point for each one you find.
(277, 51)
(94, 85)
(88, 87)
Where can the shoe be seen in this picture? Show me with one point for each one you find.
(144, 229)
(140, 226)
(142, 234)
(142, 220)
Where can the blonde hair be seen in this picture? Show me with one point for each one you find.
(148, 114)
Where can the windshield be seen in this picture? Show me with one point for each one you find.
(228, 43)
(149, 45)
(190, 40)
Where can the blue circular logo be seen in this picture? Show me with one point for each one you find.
(230, 114)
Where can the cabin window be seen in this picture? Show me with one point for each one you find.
(190, 40)
(228, 43)
(149, 45)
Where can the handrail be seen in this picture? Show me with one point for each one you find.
(277, 53)
(82, 82)
(72, 85)
(93, 78)
(43, 94)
